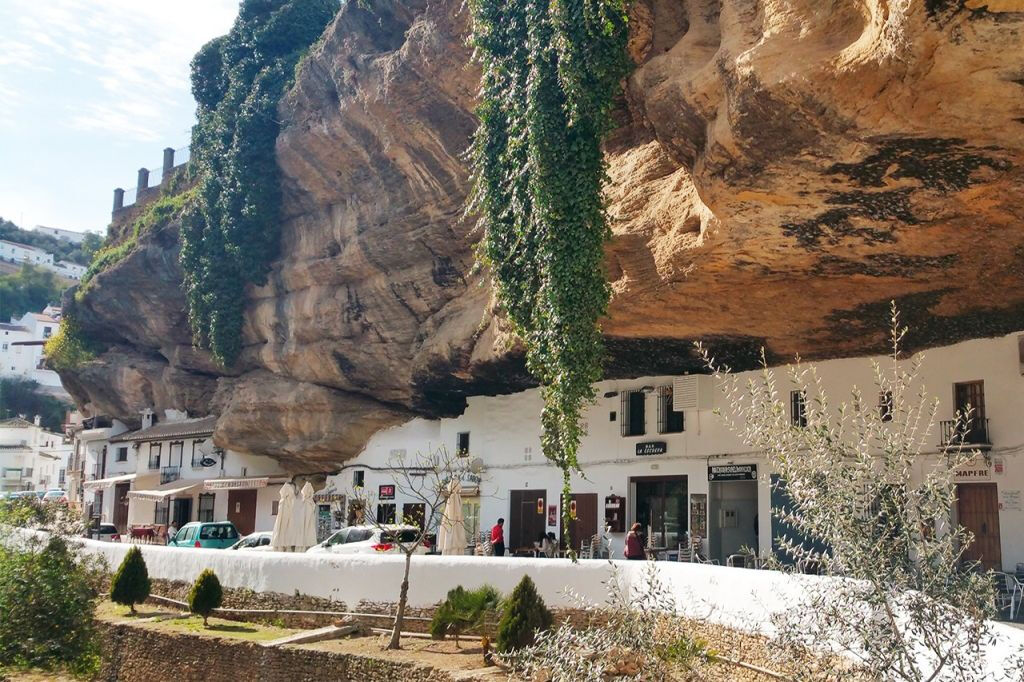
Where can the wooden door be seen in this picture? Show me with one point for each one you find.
(978, 512)
(525, 524)
(242, 510)
(121, 507)
(584, 526)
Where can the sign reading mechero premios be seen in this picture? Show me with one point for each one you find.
(654, 447)
(733, 472)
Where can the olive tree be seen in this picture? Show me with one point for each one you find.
(425, 480)
(870, 494)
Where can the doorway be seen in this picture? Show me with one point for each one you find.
(661, 509)
(527, 518)
(733, 517)
(121, 507)
(584, 525)
(977, 509)
(242, 510)
(181, 512)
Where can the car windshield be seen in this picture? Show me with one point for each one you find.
(359, 535)
(406, 536)
(222, 532)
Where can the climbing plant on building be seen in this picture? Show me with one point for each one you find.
(551, 71)
(230, 233)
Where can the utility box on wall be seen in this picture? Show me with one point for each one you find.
(692, 392)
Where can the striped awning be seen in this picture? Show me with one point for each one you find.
(172, 489)
(107, 482)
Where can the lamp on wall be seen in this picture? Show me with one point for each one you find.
(648, 389)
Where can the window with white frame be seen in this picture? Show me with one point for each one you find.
(154, 455)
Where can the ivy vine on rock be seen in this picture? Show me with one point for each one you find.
(231, 233)
(551, 71)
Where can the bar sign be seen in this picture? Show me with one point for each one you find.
(733, 472)
(654, 447)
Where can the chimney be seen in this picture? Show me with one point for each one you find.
(38, 421)
(147, 418)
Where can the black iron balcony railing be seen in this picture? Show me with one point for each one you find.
(168, 474)
(956, 433)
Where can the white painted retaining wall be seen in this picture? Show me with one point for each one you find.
(740, 598)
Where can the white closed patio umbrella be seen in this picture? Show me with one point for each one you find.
(452, 536)
(285, 534)
(307, 514)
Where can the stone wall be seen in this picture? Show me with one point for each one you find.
(133, 652)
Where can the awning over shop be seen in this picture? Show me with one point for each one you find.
(241, 483)
(108, 482)
(172, 489)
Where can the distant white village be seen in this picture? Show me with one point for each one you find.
(21, 348)
(13, 252)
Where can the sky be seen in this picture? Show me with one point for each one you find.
(91, 91)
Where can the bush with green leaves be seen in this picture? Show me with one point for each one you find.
(206, 595)
(47, 603)
(130, 585)
(524, 615)
(463, 610)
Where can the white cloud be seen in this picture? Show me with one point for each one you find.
(132, 56)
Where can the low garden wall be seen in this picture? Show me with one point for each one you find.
(132, 652)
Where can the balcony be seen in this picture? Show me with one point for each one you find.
(168, 474)
(972, 434)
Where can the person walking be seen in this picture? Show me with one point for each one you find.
(498, 538)
(634, 545)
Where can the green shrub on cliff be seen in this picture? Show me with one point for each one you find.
(70, 347)
(231, 235)
(525, 614)
(205, 595)
(130, 585)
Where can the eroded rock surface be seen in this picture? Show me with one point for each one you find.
(781, 171)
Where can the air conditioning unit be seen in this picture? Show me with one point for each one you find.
(693, 392)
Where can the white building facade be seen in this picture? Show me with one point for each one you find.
(13, 252)
(60, 233)
(21, 348)
(683, 474)
(169, 472)
(32, 458)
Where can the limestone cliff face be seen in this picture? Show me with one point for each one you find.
(781, 171)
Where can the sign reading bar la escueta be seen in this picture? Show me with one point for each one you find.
(733, 472)
(653, 447)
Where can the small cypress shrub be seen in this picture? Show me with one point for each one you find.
(463, 609)
(205, 595)
(524, 614)
(130, 585)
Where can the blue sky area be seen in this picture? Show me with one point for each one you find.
(91, 91)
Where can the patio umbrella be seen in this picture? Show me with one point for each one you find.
(285, 534)
(452, 536)
(307, 538)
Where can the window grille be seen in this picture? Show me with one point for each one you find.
(197, 454)
(462, 444)
(122, 454)
(885, 406)
(669, 420)
(633, 413)
(798, 408)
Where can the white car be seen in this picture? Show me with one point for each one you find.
(371, 540)
(254, 542)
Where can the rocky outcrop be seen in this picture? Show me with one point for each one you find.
(779, 173)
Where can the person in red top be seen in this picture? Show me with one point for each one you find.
(498, 538)
(634, 545)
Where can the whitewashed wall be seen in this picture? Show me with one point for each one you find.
(743, 599)
(505, 433)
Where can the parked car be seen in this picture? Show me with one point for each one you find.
(107, 533)
(371, 540)
(211, 535)
(255, 542)
(55, 495)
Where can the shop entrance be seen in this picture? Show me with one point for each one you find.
(242, 510)
(121, 506)
(583, 526)
(526, 519)
(977, 509)
(182, 511)
(661, 509)
(733, 517)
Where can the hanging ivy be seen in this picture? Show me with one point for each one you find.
(551, 70)
(230, 235)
